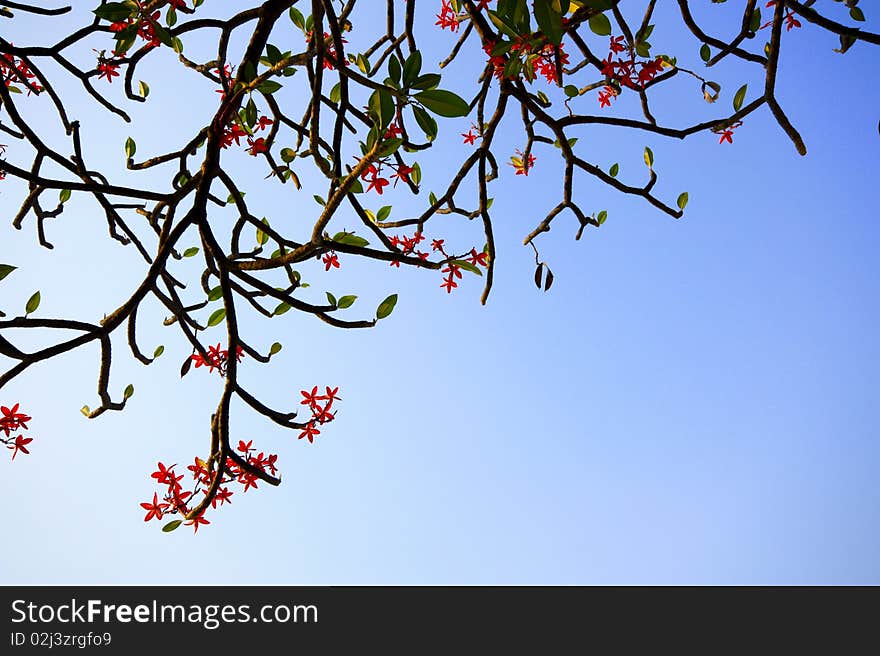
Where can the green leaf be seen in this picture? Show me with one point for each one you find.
(5, 270)
(363, 64)
(549, 21)
(346, 302)
(412, 67)
(601, 217)
(250, 113)
(705, 52)
(32, 304)
(386, 307)
(426, 122)
(64, 195)
(116, 11)
(191, 251)
(394, 69)
(273, 54)
(262, 237)
(383, 213)
(443, 103)
(682, 200)
(130, 148)
(281, 309)
(350, 239)
(331, 299)
(856, 14)
(426, 81)
(159, 351)
(297, 18)
(144, 89)
(755, 20)
(381, 108)
(467, 266)
(600, 25)
(649, 157)
(129, 392)
(170, 526)
(336, 93)
(215, 294)
(739, 97)
(614, 170)
(268, 87)
(216, 317)
(275, 348)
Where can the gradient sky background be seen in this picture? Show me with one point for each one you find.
(693, 402)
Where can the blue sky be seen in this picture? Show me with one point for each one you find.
(692, 402)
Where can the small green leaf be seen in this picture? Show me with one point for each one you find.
(275, 348)
(601, 217)
(262, 237)
(386, 307)
(216, 317)
(191, 251)
(159, 351)
(32, 304)
(682, 200)
(467, 266)
(383, 213)
(130, 148)
(144, 89)
(268, 87)
(426, 122)
(331, 299)
(281, 309)
(600, 25)
(129, 391)
(350, 239)
(215, 294)
(5, 270)
(64, 195)
(614, 170)
(739, 97)
(336, 93)
(649, 157)
(705, 52)
(170, 526)
(856, 14)
(345, 302)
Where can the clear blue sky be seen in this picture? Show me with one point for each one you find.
(693, 402)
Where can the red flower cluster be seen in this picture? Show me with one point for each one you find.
(217, 359)
(11, 420)
(626, 70)
(320, 411)
(176, 500)
(14, 71)
(144, 24)
(373, 173)
(538, 57)
(790, 21)
(408, 246)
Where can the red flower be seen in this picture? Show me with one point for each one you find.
(330, 260)
(309, 432)
(263, 122)
(108, 70)
(449, 283)
(470, 138)
(378, 184)
(195, 521)
(311, 398)
(222, 496)
(402, 173)
(480, 258)
(19, 445)
(12, 419)
(154, 509)
(257, 146)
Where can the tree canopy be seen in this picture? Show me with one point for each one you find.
(327, 104)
